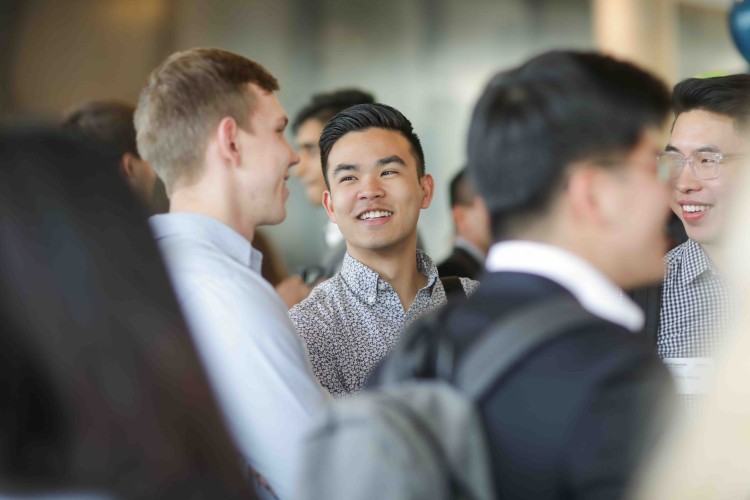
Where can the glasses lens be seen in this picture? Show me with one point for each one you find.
(706, 164)
(669, 166)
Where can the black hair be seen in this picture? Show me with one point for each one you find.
(93, 345)
(323, 107)
(724, 95)
(461, 191)
(560, 107)
(108, 124)
(366, 116)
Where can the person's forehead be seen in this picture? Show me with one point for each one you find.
(309, 130)
(374, 141)
(700, 128)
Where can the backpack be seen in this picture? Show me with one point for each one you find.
(424, 439)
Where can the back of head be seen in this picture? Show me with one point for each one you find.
(108, 124)
(561, 107)
(461, 191)
(94, 346)
(323, 107)
(363, 117)
(724, 95)
(184, 100)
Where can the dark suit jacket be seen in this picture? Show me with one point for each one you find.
(460, 263)
(574, 418)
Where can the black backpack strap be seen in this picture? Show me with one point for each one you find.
(454, 290)
(512, 338)
(648, 298)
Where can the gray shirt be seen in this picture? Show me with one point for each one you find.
(351, 321)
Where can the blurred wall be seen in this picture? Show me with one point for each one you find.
(428, 58)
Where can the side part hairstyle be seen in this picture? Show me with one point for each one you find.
(102, 389)
(363, 117)
(534, 121)
(323, 107)
(724, 95)
(184, 99)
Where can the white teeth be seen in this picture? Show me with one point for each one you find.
(374, 214)
(695, 208)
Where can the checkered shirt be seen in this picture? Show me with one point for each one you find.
(695, 305)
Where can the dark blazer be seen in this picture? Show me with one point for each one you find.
(460, 263)
(574, 418)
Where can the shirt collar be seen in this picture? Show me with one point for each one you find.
(205, 228)
(699, 262)
(596, 293)
(363, 281)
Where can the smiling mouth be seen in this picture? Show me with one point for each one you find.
(695, 208)
(374, 214)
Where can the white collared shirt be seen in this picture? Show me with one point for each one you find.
(254, 359)
(596, 293)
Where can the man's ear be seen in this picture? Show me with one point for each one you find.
(328, 204)
(589, 192)
(227, 135)
(129, 169)
(428, 189)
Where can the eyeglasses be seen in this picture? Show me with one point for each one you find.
(703, 164)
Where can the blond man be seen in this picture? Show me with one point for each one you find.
(210, 124)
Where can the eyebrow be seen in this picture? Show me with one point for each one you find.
(704, 149)
(390, 159)
(344, 167)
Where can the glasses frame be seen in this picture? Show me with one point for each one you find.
(689, 159)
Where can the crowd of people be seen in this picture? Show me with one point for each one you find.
(567, 348)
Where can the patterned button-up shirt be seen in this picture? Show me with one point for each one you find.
(695, 305)
(351, 321)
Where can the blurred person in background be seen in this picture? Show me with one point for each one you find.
(472, 224)
(210, 123)
(103, 394)
(306, 127)
(109, 125)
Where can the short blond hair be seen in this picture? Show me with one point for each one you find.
(184, 99)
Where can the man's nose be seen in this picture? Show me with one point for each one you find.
(370, 187)
(686, 181)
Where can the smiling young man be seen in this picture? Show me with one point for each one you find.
(209, 122)
(374, 169)
(707, 150)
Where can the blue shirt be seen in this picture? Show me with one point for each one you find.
(255, 361)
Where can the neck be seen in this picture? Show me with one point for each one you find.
(716, 254)
(397, 266)
(201, 199)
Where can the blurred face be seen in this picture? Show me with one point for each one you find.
(309, 169)
(702, 205)
(266, 160)
(376, 194)
(473, 222)
(639, 208)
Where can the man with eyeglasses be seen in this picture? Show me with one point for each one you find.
(706, 151)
